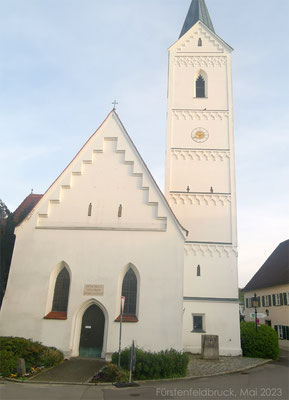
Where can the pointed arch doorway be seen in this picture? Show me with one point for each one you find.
(92, 332)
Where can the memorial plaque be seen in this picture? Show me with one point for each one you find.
(93, 290)
(210, 347)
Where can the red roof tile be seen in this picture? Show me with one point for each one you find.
(25, 207)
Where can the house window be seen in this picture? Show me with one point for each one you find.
(250, 302)
(198, 270)
(200, 43)
(129, 291)
(267, 302)
(282, 331)
(278, 299)
(198, 323)
(61, 291)
(200, 87)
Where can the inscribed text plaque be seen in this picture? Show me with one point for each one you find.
(93, 290)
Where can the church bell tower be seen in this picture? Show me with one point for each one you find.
(200, 179)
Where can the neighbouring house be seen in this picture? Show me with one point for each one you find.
(271, 285)
(7, 237)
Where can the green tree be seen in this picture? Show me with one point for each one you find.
(7, 240)
(4, 211)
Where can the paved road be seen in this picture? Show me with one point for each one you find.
(262, 383)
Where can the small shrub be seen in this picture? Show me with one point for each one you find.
(50, 356)
(34, 354)
(112, 373)
(8, 363)
(262, 344)
(165, 364)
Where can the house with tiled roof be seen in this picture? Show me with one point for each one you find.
(7, 237)
(25, 207)
(271, 286)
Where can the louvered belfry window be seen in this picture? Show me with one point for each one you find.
(200, 87)
(129, 291)
(61, 291)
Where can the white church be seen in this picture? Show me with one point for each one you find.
(104, 229)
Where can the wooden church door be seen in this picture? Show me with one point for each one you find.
(92, 330)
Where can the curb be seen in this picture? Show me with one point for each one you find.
(108, 384)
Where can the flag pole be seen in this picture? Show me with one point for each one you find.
(120, 329)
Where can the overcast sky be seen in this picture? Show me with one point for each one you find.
(63, 62)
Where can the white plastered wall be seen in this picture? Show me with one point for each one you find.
(97, 249)
(200, 183)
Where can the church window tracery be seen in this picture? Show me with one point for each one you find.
(200, 87)
(129, 291)
(61, 291)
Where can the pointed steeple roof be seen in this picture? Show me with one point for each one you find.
(197, 12)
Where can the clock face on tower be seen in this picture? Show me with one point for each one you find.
(200, 135)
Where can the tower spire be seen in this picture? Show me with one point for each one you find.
(197, 12)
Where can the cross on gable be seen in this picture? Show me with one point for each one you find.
(114, 104)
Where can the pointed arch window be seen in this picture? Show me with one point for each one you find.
(200, 87)
(129, 291)
(61, 291)
(60, 296)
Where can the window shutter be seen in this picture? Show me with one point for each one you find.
(274, 300)
(276, 328)
(247, 306)
(263, 301)
(281, 299)
(270, 302)
(285, 298)
(284, 332)
(287, 332)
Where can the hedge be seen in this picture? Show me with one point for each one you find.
(34, 354)
(165, 364)
(262, 343)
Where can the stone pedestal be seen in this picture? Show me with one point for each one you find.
(21, 369)
(210, 347)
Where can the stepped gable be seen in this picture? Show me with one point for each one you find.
(107, 172)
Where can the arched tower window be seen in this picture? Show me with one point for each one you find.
(129, 291)
(200, 43)
(200, 87)
(61, 291)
